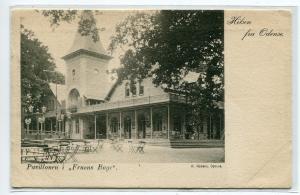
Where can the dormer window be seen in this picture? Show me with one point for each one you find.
(133, 89)
(127, 90)
(141, 89)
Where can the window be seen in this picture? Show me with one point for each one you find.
(114, 125)
(157, 122)
(177, 123)
(73, 74)
(127, 90)
(51, 105)
(77, 126)
(133, 89)
(141, 90)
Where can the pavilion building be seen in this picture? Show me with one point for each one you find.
(91, 106)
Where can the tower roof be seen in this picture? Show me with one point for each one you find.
(86, 44)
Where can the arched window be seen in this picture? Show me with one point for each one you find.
(74, 99)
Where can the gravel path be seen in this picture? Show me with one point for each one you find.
(154, 154)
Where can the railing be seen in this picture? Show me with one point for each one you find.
(133, 102)
(73, 109)
(36, 132)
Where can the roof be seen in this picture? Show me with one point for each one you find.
(111, 90)
(61, 91)
(107, 86)
(87, 45)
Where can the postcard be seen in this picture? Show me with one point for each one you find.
(151, 98)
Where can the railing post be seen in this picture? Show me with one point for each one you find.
(120, 125)
(168, 121)
(151, 122)
(107, 125)
(37, 125)
(51, 126)
(136, 124)
(95, 121)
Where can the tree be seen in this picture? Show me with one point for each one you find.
(167, 45)
(37, 70)
(87, 24)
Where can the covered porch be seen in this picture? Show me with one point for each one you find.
(157, 121)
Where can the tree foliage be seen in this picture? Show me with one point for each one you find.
(37, 70)
(87, 24)
(167, 45)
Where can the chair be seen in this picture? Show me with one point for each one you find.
(118, 146)
(97, 147)
(131, 146)
(140, 147)
(71, 155)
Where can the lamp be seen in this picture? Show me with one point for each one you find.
(30, 108)
(44, 109)
(27, 122)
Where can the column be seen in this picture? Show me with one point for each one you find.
(37, 125)
(95, 121)
(63, 128)
(184, 125)
(56, 125)
(74, 126)
(106, 125)
(209, 126)
(136, 124)
(151, 122)
(44, 126)
(51, 126)
(168, 121)
(120, 114)
(59, 130)
(81, 128)
(220, 125)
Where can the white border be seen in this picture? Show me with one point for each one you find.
(5, 78)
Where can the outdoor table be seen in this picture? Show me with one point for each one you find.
(33, 145)
(50, 153)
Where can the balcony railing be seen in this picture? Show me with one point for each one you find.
(72, 109)
(132, 102)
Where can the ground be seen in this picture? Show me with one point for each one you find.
(154, 154)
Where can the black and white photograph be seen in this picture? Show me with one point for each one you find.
(122, 86)
(151, 97)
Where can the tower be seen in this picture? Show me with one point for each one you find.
(86, 77)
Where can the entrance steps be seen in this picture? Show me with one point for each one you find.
(176, 143)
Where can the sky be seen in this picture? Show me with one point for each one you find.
(60, 39)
